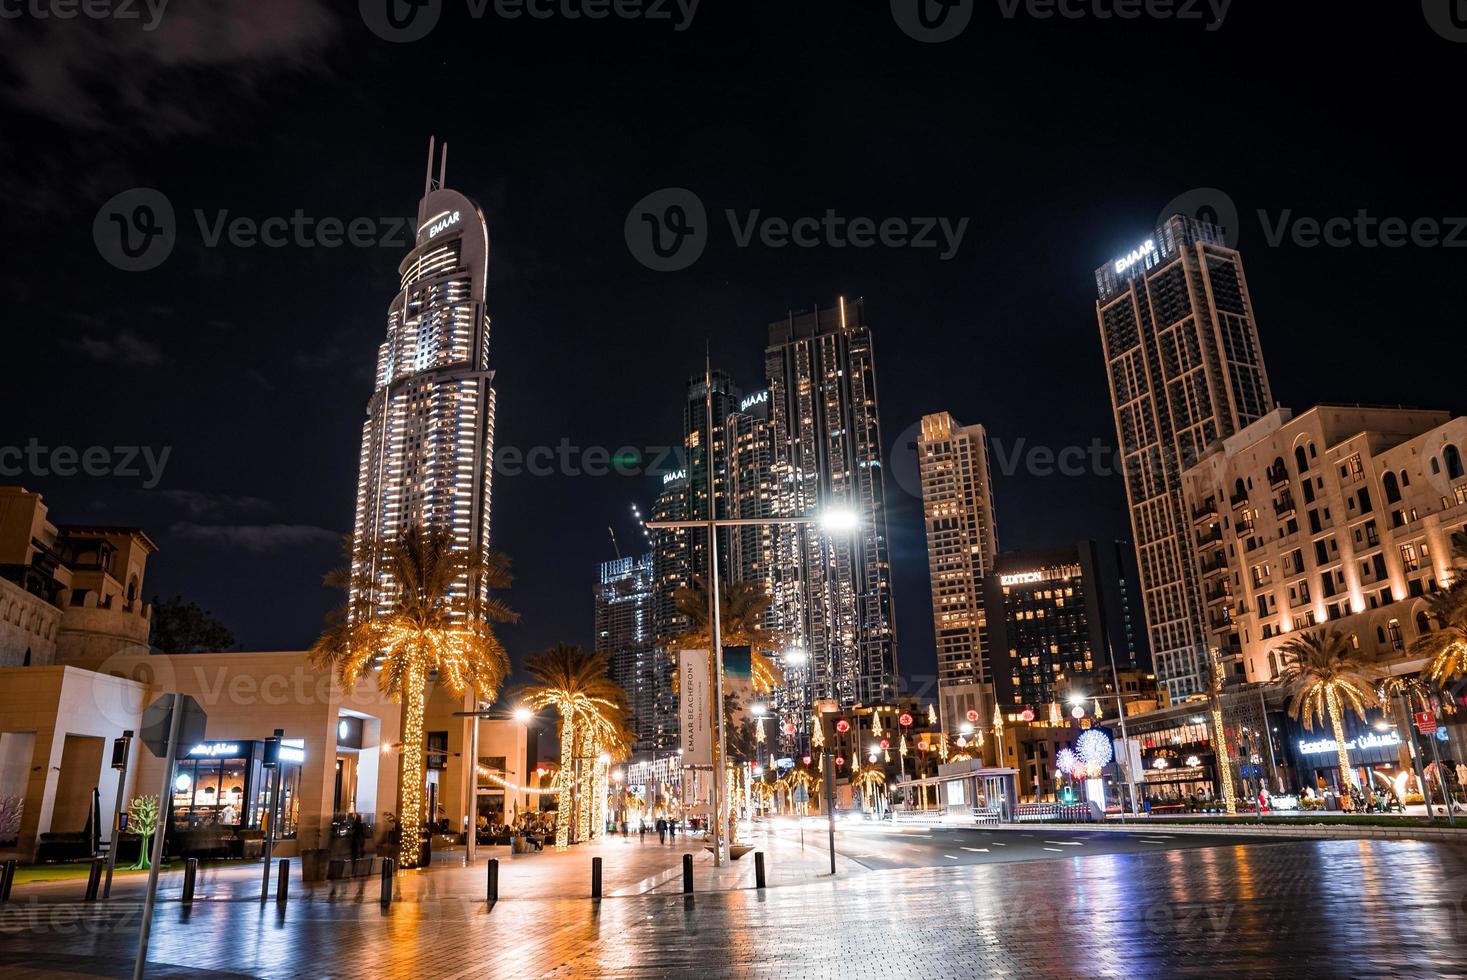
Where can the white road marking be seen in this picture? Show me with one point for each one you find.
(1066, 843)
(1147, 840)
(977, 850)
(998, 843)
(952, 857)
(1055, 849)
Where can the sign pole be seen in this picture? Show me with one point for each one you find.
(165, 817)
(1441, 777)
(271, 762)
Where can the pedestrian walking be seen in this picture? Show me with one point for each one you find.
(661, 830)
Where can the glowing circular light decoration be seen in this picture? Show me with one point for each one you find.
(840, 760)
(789, 728)
(1067, 761)
(1027, 714)
(1160, 763)
(1094, 747)
(1193, 760)
(921, 746)
(1077, 712)
(972, 715)
(805, 759)
(183, 782)
(905, 720)
(842, 726)
(886, 743)
(962, 742)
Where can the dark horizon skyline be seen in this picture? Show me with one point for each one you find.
(253, 364)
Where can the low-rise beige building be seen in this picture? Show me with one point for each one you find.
(1341, 516)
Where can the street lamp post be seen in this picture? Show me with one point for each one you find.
(832, 522)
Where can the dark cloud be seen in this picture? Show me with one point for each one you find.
(140, 73)
(258, 538)
(201, 503)
(126, 348)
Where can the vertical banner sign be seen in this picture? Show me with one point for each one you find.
(694, 685)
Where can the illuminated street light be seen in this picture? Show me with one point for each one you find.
(966, 728)
(758, 710)
(795, 657)
(523, 715)
(839, 521)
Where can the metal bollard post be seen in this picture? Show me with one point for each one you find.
(190, 874)
(282, 884)
(687, 874)
(494, 879)
(389, 867)
(596, 878)
(7, 878)
(758, 869)
(94, 879)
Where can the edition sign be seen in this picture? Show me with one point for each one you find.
(696, 708)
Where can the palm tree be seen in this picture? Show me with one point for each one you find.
(593, 713)
(1446, 646)
(1325, 674)
(426, 625)
(741, 609)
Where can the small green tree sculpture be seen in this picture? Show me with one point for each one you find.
(142, 819)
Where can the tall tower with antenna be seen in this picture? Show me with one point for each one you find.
(428, 438)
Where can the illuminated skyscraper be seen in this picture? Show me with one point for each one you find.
(957, 507)
(1186, 371)
(626, 633)
(428, 439)
(826, 449)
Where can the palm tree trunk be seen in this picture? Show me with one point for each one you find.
(413, 774)
(563, 815)
(1337, 721)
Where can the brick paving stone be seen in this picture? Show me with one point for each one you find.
(1293, 909)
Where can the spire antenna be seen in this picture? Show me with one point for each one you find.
(428, 175)
(443, 168)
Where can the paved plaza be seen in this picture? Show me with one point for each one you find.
(1109, 905)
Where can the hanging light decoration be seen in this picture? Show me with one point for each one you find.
(817, 732)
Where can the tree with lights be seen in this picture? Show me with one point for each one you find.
(593, 728)
(1446, 645)
(741, 609)
(142, 819)
(425, 627)
(1325, 675)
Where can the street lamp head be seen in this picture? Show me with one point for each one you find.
(839, 520)
(966, 728)
(1077, 699)
(523, 715)
(758, 710)
(604, 758)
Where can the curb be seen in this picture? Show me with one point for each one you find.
(1318, 831)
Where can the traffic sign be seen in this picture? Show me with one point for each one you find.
(802, 795)
(1425, 722)
(158, 717)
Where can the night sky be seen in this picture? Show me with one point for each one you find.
(1059, 141)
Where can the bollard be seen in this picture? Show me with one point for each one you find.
(494, 879)
(190, 874)
(596, 878)
(94, 879)
(687, 874)
(7, 878)
(389, 866)
(758, 869)
(282, 884)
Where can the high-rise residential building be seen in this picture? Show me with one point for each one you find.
(428, 439)
(626, 632)
(826, 444)
(957, 508)
(1063, 613)
(1341, 517)
(1186, 371)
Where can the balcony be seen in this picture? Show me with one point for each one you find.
(1210, 536)
(1207, 509)
(1217, 592)
(1238, 500)
(1284, 506)
(1278, 476)
(1214, 563)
